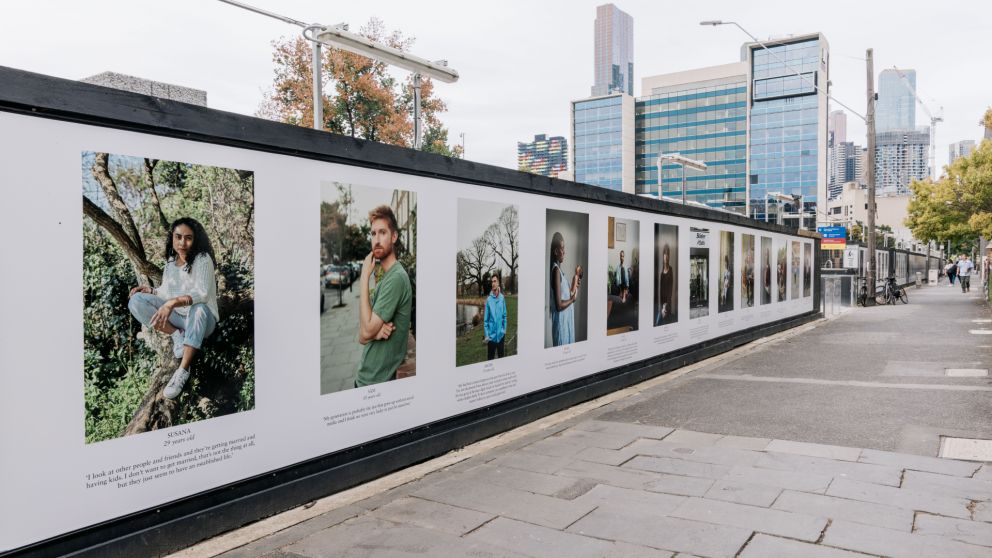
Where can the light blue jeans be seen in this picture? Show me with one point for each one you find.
(196, 326)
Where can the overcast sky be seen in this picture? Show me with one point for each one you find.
(520, 62)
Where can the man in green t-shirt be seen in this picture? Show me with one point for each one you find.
(384, 318)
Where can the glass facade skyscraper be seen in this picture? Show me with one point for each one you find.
(788, 128)
(544, 156)
(896, 106)
(614, 56)
(700, 114)
(602, 141)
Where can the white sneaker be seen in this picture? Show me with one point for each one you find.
(178, 343)
(176, 383)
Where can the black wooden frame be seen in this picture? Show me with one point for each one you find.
(186, 521)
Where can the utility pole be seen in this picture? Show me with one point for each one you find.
(870, 121)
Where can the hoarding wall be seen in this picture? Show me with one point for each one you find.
(143, 252)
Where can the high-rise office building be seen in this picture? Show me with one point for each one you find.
(601, 151)
(545, 156)
(836, 127)
(900, 157)
(787, 151)
(614, 56)
(896, 106)
(700, 114)
(845, 166)
(960, 149)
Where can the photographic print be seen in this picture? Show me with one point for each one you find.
(747, 270)
(795, 269)
(368, 285)
(622, 276)
(725, 303)
(666, 261)
(486, 279)
(168, 293)
(807, 270)
(780, 273)
(766, 270)
(699, 273)
(566, 307)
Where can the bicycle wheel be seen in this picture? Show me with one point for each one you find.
(903, 296)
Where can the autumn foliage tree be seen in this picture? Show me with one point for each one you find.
(361, 98)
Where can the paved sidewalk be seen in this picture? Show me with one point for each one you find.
(600, 488)
(747, 455)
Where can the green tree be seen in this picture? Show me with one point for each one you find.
(958, 206)
(364, 101)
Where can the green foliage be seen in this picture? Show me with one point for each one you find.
(958, 207)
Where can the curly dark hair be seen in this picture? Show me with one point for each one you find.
(201, 243)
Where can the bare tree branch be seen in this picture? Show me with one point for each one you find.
(102, 174)
(150, 175)
(107, 223)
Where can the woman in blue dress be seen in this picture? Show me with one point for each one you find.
(563, 295)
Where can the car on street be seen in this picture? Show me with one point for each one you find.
(337, 276)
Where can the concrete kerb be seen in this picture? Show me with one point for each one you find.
(269, 526)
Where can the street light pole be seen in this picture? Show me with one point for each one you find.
(683, 162)
(870, 120)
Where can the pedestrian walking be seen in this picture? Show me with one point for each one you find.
(950, 270)
(965, 268)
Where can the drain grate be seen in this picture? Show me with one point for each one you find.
(968, 449)
(966, 372)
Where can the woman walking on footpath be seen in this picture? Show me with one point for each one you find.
(951, 270)
(185, 304)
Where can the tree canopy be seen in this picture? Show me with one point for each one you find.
(958, 206)
(364, 100)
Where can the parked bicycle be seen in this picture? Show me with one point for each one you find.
(892, 292)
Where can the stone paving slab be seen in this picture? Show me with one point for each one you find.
(866, 472)
(529, 461)
(677, 467)
(366, 537)
(919, 463)
(625, 428)
(743, 442)
(506, 502)
(951, 486)
(603, 440)
(764, 520)
(680, 535)
(743, 493)
(703, 454)
(935, 503)
(814, 450)
(972, 532)
(528, 481)
(692, 438)
(766, 546)
(793, 480)
(866, 513)
(897, 544)
(433, 515)
(606, 456)
(632, 501)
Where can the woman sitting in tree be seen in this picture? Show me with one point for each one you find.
(185, 304)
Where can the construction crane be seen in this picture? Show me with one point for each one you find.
(933, 122)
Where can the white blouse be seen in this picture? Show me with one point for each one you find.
(200, 284)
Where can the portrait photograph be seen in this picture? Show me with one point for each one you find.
(699, 273)
(368, 285)
(781, 273)
(168, 293)
(622, 275)
(807, 270)
(666, 275)
(486, 281)
(747, 270)
(566, 307)
(795, 270)
(766, 270)
(725, 302)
